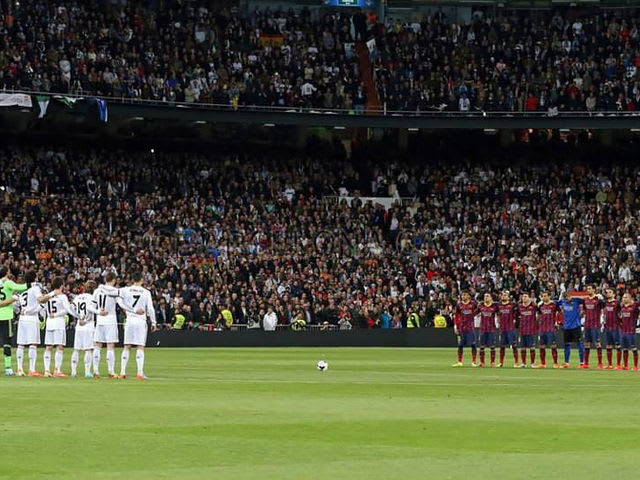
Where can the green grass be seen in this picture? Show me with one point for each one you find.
(269, 414)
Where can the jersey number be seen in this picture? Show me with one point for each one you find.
(82, 308)
(137, 297)
(52, 308)
(102, 301)
(3, 295)
(24, 300)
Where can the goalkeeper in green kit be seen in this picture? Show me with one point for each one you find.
(7, 289)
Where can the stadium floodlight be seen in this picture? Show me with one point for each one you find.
(339, 127)
(490, 131)
(269, 125)
(413, 129)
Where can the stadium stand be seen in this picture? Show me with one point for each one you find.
(542, 62)
(242, 232)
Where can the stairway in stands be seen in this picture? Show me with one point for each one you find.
(366, 75)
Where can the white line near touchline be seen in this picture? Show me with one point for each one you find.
(429, 384)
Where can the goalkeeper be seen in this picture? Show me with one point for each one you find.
(7, 289)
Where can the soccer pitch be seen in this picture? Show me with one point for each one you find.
(269, 414)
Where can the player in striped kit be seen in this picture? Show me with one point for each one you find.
(592, 306)
(464, 328)
(628, 325)
(86, 307)
(547, 318)
(488, 311)
(57, 308)
(507, 325)
(135, 331)
(527, 315)
(612, 328)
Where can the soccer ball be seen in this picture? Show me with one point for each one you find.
(322, 365)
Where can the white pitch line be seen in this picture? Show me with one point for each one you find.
(425, 383)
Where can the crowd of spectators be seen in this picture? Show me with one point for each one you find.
(196, 52)
(262, 240)
(524, 61)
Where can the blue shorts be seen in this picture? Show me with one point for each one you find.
(628, 340)
(467, 339)
(508, 338)
(527, 341)
(487, 339)
(612, 337)
(592, 335)
(547, 338)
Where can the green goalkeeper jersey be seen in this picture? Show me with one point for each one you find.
(7, 289)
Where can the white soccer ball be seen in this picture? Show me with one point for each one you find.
(322, 365)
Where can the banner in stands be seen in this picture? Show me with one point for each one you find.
(350, 3)
(15, 100)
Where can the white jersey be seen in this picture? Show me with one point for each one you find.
(29, 305)
(137, 297)
(106, 297)
(57, 308)
(86, 308)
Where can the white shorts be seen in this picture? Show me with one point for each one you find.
(55, 337)
(83, 339)
(106, 334)
(28, 332)
(135, 332)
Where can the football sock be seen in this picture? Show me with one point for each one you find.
(610, 356)
(474, 353)
(523, 356)
(33, 355)
(635, 358)
(625, 355)
(581, 351)
(567, 352)
(482, 355)
(124, 359)
(554, 354)
(493, 355)
(20, 357)
(87, 361)
(543, 356)
(515, 354)
(47, 360)
(111, 362)
(74, 362)
(140, 361)
(7, 357)
(96, 361)
(599, 355)
(532, 355)
(58, 360)
(502, 352)
(459, 354)
(618, 356)
(587, 351)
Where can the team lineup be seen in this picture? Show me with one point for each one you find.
(605, 321)
(95, 313)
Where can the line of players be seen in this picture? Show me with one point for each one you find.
(96, 325)
(616, 320)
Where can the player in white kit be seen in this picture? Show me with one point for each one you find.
(57, 308)
(106, 332)
(29, 324)
(86, 307)
(135, 330)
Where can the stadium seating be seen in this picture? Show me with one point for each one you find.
(240, 232)
(529, 61)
